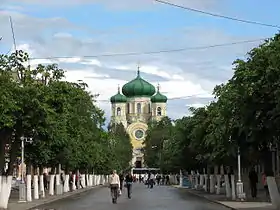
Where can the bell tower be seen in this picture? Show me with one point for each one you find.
(118, 102)
(158, 105)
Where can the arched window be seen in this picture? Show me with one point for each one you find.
(149, 108)
(118, 111)
(138, 108)
(128, 108)
(159, 111)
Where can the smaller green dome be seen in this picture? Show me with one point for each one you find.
(118, 98)
(158, 97)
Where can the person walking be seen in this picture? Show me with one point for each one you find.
(128, 184)
(114, 181)
(152, 180)
(121, 180)
(253, 177)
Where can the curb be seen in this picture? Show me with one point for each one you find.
(55, 198)
(189, 190)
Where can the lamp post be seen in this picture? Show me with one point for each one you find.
(239, 185)
(22, 186)
(23, 140)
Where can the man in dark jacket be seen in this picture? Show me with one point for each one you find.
(253, 177)
(128, 184)
(121, 180)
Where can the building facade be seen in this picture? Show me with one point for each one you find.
(134, 106)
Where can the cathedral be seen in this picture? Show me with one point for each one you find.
(134, 106)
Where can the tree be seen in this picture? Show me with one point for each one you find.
(245, 116)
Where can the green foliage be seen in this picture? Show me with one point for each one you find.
(245, 115)
(61, 118)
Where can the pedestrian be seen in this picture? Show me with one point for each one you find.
(253, 177)
(264, 182)
(152, 180)
(62, 179)
(158, 178)
(121, 180)
(163, 179)
(71, 181)
(167, 181)
(45, 180)
(149, 179)
(128, 184)
(114, 182)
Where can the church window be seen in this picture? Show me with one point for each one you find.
(118, 111)
(159, 111)
(128, 110)
(138, 108)
(149, 108)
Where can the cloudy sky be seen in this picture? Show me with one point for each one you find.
(84, 30)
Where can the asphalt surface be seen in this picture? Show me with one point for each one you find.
(158, 198)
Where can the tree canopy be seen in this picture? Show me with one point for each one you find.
(244, 115)
(61, 117)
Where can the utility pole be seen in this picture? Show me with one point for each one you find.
(13, 33)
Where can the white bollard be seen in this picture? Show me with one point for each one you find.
(42, 187)
(5, 191)
(66, 187)
(36, 187)
(212, 183)
(233, 191)
(28, 188)
(273, 192)
(228, 190)
(218, 177)
(74, 187)
(51, 185)
(206, 182)
(201, 181)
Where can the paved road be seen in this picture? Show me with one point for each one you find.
(159, 198)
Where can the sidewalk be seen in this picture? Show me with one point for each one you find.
(234, 205)
(14, 205)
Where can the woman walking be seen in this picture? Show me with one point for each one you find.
(128, 184)
(114, 182)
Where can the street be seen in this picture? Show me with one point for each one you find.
(158, 198)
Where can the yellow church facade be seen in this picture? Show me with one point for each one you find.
(137, 103)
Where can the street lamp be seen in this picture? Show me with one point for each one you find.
(22, 187)
(239, 184)
(23, 140)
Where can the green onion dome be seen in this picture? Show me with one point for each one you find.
(118, 98)
(138, 87)
(158, 97)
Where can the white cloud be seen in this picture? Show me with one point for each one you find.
(94, 62)
(195, 105)
(98, 83)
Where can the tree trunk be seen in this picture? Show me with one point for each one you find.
(13, 156)
(41, 180)
(28, 182)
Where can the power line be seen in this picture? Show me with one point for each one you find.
(153, 52)
(217, 15)
(169, 99)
